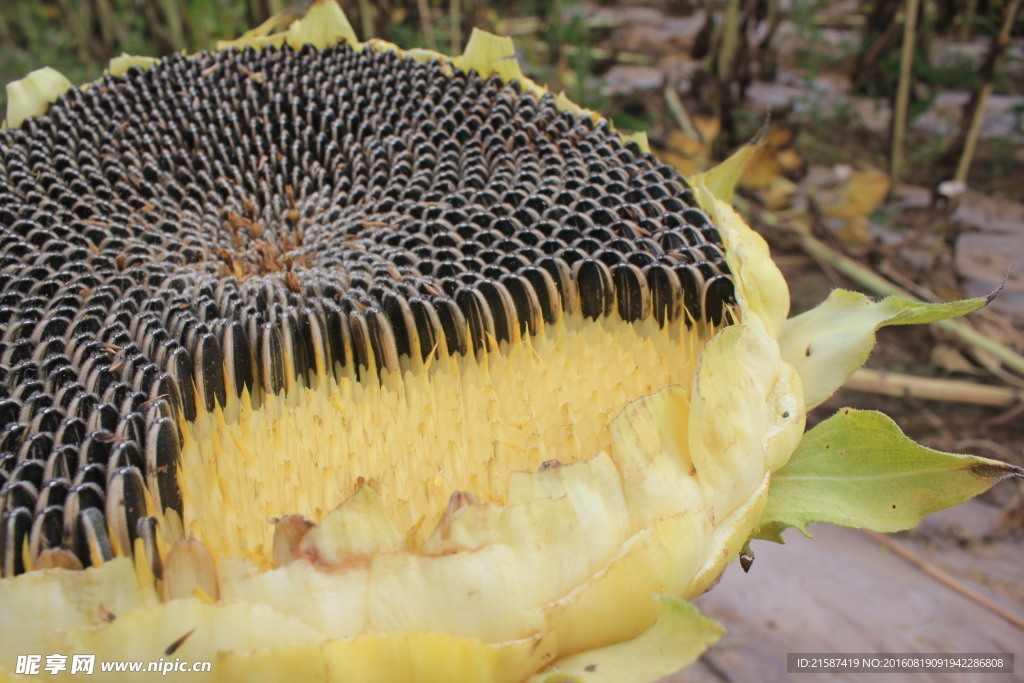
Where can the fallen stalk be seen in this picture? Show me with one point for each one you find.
(933, 389)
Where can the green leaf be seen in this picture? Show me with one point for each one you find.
(857, 469)
(828, 343)
(679, 636)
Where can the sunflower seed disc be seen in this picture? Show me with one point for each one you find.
(261, 237)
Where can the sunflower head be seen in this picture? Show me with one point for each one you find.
(355, 363)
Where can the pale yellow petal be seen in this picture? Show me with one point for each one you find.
(59, 599)
(760, 286)
(729, 536)
(543, 538)
(353, 532)
(564, 536)
(490, 54)
(674, 642)
(787, 418)
(729, 415)
(119, 65)
(324, 25)
(480, 594)
(720, 182)
(334, 603)
(33, 94)
(390, 657)
(639, 138)
(651, 448)
(618, 602)
(210, 628)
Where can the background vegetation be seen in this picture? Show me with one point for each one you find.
(737, 45)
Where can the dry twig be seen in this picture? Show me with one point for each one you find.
(948, 580)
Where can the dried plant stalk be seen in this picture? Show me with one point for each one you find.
(899, 118)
